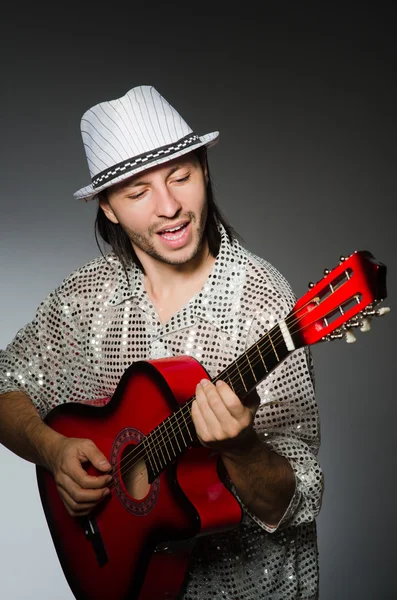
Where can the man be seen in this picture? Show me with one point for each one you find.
(177, 282)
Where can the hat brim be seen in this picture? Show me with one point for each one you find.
(89, 192)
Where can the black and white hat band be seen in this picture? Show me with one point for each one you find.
(144, 159)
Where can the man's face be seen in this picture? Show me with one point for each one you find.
(163, 210)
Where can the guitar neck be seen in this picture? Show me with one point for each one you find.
(173, 436)
(253, 366)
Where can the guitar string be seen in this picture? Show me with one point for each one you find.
(186, 421)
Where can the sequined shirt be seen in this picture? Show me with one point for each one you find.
(98, 321)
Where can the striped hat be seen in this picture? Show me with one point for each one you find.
(130, 134)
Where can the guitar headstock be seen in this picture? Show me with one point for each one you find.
(344, 299)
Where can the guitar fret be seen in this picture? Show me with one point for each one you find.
(180, 429)
(249, 362)
(163, 440)
(260, 354)
(191, 427)
(274, 349)
(159, 444)
(148, 442)
(186, 425)
(175, 417)
(245, 387)
(171, 435)
(229, 382)
(147, 454)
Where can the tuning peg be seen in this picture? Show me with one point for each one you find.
(342, 259)
(336, 335)
(311, 285)
(366, 324)
(353, 323)
(382, 311)
(326, 272)
(350, 337)
(370, 311)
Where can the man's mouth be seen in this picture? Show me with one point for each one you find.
(173, 233)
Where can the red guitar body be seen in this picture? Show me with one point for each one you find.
(117, 559)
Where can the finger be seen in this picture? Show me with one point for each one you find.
(89, 451)
(213, 424)
(230, 399)
(74, 508)
(73, 469)
(231, 413)
(214, 402)
(199, 423)
(79, 494)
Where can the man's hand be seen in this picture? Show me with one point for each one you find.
(79, 491)
(222, 422)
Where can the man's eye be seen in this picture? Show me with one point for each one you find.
(136, 196)
(183, 179)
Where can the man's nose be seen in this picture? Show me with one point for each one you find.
(166, 203)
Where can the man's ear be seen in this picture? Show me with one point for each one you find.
(104, 204)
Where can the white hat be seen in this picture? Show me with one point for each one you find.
(130, 134)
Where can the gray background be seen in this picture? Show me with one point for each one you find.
(305, 170)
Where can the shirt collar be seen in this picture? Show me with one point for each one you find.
(218, 300)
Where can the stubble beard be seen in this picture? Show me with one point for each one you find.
(144, 242)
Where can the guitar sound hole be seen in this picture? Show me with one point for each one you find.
(134, 473)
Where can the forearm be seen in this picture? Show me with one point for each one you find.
(264, 480)
(22, 430)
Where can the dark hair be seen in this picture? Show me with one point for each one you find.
(114, 235)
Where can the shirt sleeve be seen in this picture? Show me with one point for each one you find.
(45, 359)
(287, 420)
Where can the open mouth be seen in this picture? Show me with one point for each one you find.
(174, 233)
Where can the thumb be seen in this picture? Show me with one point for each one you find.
(96, 457)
